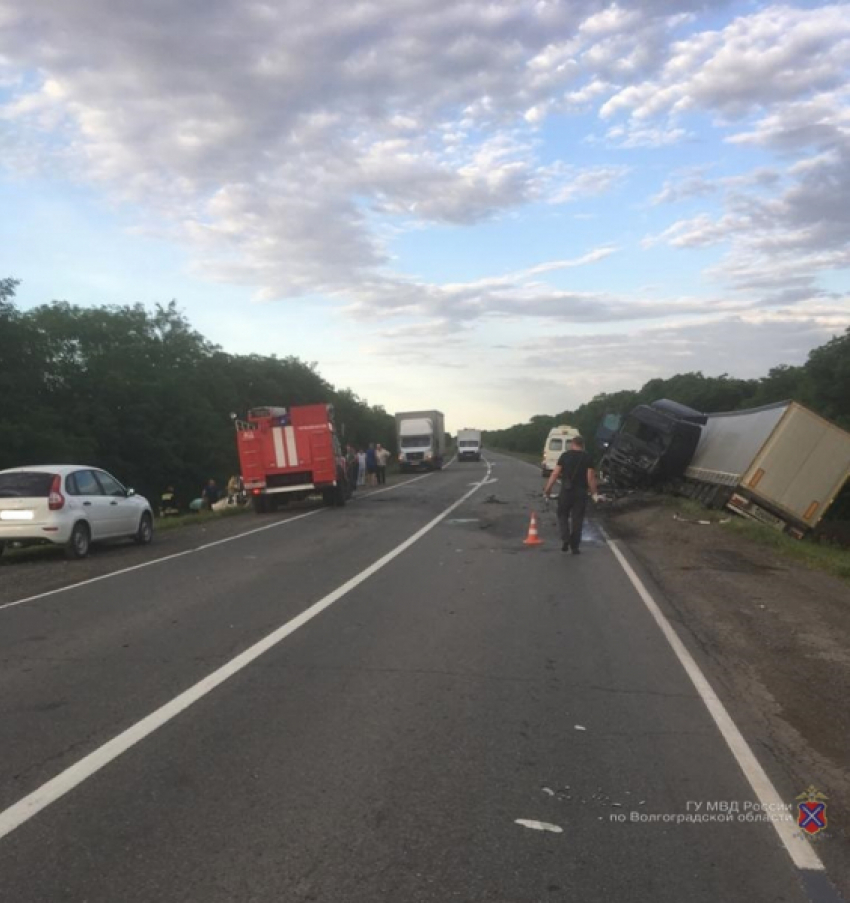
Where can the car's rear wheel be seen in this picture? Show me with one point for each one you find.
(79, 543)
(144, 534)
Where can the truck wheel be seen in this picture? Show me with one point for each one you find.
(328, 497)
(79, 543)
(260, 504)
(339, 495)
(2, 547)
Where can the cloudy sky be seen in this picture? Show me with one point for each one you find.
(495, 208)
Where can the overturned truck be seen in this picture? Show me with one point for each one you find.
(780, 464)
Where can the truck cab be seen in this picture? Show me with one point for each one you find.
(469, 445)
(655, 443)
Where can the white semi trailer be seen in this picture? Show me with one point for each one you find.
(421, 440)
(781, 464)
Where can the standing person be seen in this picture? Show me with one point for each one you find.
(210, 495)
(575, 470)
(382, 456)
(351, 466)
(371, 465)
(361, 468)
(233, 490)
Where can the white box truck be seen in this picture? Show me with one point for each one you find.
(469, 445)
(781, 464)
(421, 440)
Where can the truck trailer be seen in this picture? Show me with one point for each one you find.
(421, 440)
(780, 464)
(291, 453)
(469, 445)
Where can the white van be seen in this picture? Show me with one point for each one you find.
(557, 442)
(469, 445)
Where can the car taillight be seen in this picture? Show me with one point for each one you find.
(56, 500)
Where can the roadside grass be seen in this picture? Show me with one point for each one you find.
(165, 524)
(821, 556)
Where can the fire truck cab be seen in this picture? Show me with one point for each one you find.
(291, 453)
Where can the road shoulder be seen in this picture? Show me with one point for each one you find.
(770, 635)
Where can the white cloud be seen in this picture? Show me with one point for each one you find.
(287, 148)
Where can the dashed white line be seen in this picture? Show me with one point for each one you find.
(57, 787)
(193, 551)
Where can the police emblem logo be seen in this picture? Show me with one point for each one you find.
(811, 813)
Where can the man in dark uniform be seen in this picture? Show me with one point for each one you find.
(575, 470)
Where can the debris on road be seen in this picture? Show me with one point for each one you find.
(706, 523)
(539, 825)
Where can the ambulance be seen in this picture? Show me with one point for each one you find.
(557, 442)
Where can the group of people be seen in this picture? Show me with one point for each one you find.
(211, 494)
(367, 467)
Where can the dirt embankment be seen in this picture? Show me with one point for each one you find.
(773, 637)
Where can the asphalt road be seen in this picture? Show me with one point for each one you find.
(397, 745)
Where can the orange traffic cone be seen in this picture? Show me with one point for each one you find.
(533, 538)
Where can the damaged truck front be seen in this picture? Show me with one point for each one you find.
(654, 445)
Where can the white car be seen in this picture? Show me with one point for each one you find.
(70, 505)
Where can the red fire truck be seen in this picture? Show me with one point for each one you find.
(290, 453)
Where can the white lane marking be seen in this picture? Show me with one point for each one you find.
(57, 787)
(538, 825)
(367, 495)
(200, 548)
(801, 853)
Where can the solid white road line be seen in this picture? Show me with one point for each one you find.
(57, 787)
(201, 548)
(800, 851)
(368, 495)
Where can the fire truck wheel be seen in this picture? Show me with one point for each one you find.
(339, 495)
(328, 497)
(260, 504)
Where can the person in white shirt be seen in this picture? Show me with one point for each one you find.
(382, 456)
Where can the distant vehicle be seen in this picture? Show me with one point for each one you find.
(469, 445)
(655, 444)
(70, 505)
(291, 453)
(421, 440)
(557, 442)
(781, 464)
